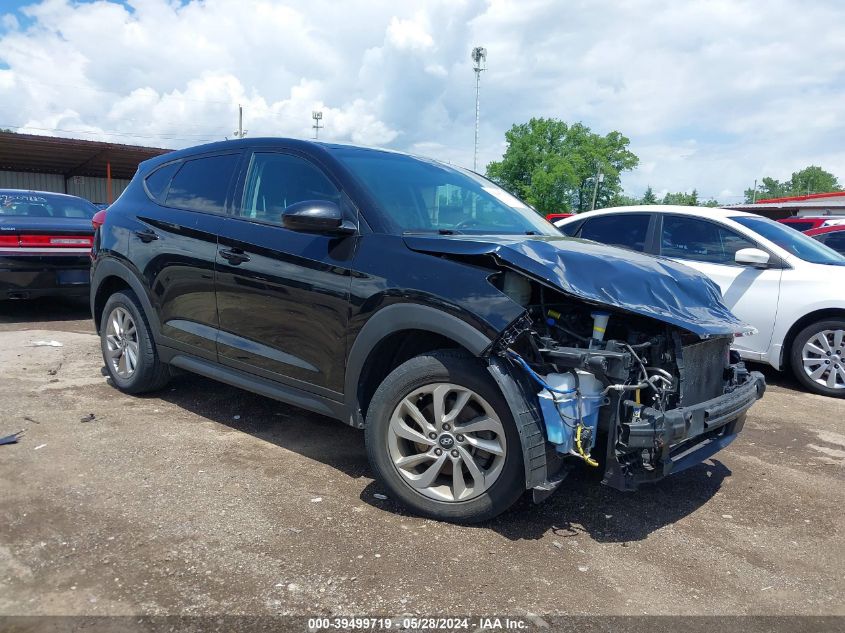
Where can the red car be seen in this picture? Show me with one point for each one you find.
(806, 223)
(554, 217)
(831, 236)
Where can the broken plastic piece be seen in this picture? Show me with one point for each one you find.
(11, 439)
(46, 344)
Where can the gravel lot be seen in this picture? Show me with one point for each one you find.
(204, 499)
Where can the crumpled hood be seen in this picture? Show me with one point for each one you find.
(651, 286)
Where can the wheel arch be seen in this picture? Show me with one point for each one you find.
(395, 334)
(111, 276)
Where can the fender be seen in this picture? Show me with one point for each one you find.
(111, 267)
(398, 317)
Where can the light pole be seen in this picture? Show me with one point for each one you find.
(479, 59)
(240, 132)
(599, 178)
(317, 116)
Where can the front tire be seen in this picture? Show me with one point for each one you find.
(441, 438)
(817, 357)
(128, 348)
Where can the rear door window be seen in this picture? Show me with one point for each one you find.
(628, 230)
(699, 240)
(202, 184)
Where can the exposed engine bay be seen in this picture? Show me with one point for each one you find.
(627, 391)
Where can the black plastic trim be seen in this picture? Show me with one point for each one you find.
(110, 267)
(256, 384)
(526, 413)
(398, 317)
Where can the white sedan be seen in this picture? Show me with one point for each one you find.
(788, 286)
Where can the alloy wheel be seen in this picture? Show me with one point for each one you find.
(446, 442)
(823, 357)
(122, 342)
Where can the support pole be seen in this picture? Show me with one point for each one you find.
(108, 183)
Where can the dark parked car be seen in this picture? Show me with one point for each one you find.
(831, 236)
(45, 244)
(480, 350)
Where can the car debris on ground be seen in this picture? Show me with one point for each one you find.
(11, 439)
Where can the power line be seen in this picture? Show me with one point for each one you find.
(165, 136)
(115, 92)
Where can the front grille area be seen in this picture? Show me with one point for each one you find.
(703, 370)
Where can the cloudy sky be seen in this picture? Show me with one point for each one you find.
(712, 94)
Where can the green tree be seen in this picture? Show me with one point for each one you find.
(623, 200)
(682, 198)
(649, 197)
(812, 179)
(553, 166)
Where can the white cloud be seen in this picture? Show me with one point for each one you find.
(410, 34)
(711, 94)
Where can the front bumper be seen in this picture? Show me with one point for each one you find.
(31, 276)
(677, 439)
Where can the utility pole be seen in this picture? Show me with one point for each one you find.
(479, 59)
(599, 178)
(317, 115)
(754, 195)
(240, 132)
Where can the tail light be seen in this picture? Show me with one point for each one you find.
(47, 241)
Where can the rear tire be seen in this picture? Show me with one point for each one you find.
(128, 348)
(817, 357)
(441, 438)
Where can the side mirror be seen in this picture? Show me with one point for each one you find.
(320, 216)
(752, 256)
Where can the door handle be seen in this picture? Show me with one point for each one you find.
(146, 235)
(234, 256)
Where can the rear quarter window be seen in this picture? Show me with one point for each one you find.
(159, 180)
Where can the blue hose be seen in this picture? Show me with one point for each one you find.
(521, 361)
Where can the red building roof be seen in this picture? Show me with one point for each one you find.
(812, 196)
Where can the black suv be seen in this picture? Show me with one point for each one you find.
(482, 352)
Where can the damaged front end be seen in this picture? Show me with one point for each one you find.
(640, 397)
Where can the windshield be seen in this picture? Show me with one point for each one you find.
(419, 195)
(792, 241)
(28, 204)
